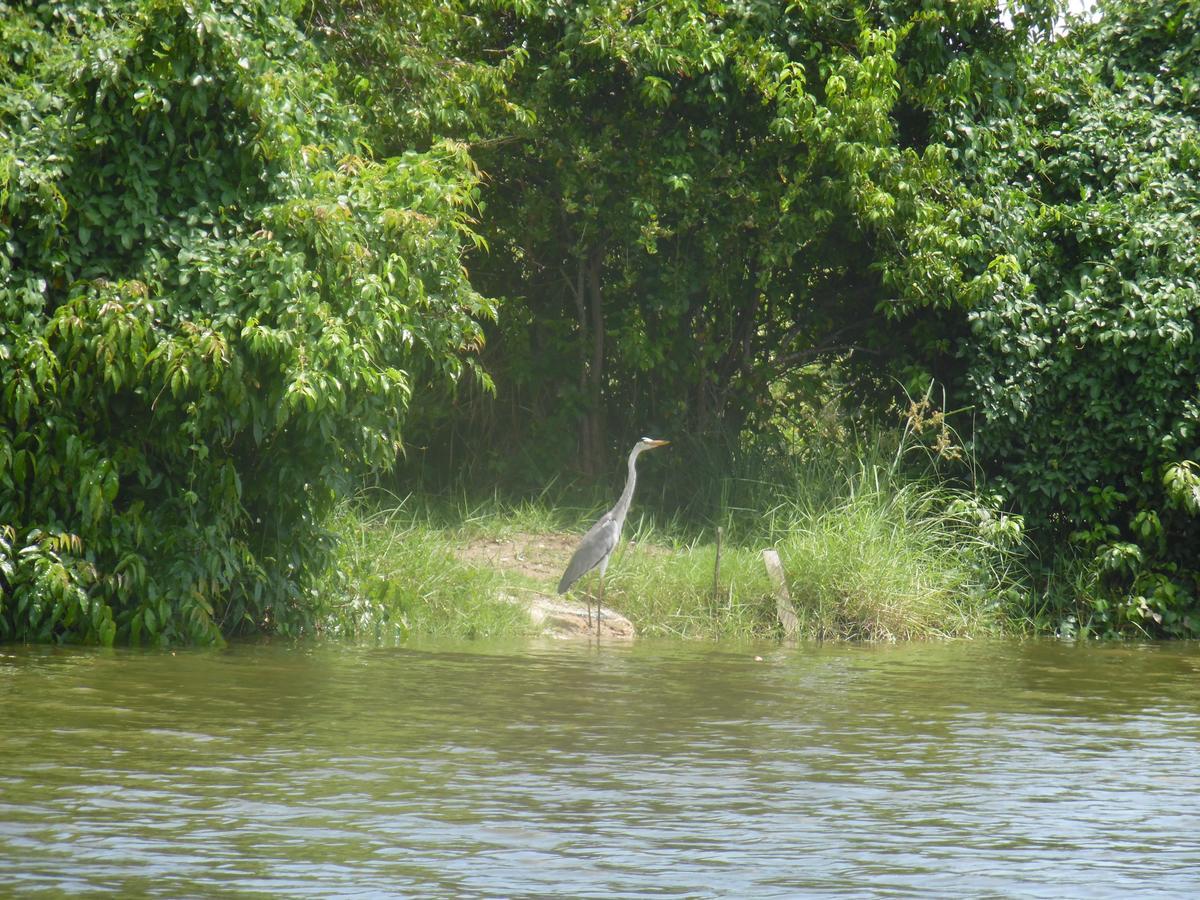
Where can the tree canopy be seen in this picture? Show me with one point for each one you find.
(688, 204)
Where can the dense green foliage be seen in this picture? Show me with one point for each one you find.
(688, 204)
(214, 308)
(1084, 359)
(246, 251)
(691, 204)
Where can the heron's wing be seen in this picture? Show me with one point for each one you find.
(596, 544)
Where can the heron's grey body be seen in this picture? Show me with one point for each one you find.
(597, 546)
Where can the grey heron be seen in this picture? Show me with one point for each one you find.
(597, 546)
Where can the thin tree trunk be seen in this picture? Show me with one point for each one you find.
(587, 460)
(596, 368)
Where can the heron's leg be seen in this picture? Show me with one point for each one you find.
(599, 604)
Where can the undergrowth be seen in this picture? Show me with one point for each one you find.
(872, 550)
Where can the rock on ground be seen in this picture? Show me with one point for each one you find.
(544, 557)
(569, 618)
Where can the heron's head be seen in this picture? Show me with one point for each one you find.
(650, 443)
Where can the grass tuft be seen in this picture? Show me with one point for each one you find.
(893, 562)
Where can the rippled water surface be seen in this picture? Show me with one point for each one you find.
(568, 769)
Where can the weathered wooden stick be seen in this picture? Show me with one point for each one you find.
(717, 566)
(783, 600)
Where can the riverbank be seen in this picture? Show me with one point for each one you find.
(886, 562)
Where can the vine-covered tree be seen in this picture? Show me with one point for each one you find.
(1084, 359)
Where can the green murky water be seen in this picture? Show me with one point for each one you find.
(568, 769)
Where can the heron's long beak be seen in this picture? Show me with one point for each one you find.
(654, 444)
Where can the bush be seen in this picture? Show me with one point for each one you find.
(1084, 360)
(214, 308)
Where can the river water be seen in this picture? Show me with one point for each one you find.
(582, 770)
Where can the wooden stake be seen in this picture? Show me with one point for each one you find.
(717, 566)
(783, 600)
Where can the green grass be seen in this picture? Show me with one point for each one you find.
(869, 554)
(895, 562)
(886, 561)
(397, 575)
(670, 590)
(496, 518)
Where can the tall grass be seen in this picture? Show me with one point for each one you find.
(895, 561)
(873, 549)
(884, 559)
(397, 575)
(669, 590)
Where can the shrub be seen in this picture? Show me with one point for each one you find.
(1084, 360)
(214, 308)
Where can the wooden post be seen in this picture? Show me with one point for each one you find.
(717, 567)
(783, 600)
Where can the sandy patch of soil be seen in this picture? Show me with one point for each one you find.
(540, 556)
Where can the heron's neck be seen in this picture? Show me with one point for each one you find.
(622, 506)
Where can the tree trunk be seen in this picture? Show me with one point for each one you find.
(589, 312)
(586, 461)
(595, 413)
